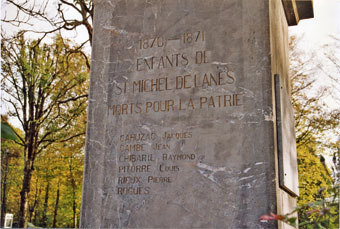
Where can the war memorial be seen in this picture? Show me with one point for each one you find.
(190, 123)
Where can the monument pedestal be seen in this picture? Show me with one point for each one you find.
(183, 129)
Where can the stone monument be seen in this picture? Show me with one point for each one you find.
(190, 123)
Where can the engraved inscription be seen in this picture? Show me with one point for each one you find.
(160, 42)
(160, 62)
(136, 157)
(178, 82)
(133, 190)
(219, 101)
(145, 159)
(152, 179)
(165, 67)
(134, 168)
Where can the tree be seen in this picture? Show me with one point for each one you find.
(316, 124)
(53, 19)
(9, 153)
(46, 86)
(318, 196)
(313, 119)
(58, 20)
(313, 175)
(59, 168)
(11, 176)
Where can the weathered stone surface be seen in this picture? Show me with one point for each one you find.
(180, 124)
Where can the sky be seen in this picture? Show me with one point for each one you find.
(317, 32)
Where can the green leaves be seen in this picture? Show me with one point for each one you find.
(7, 132)
(46, 88)
(291, 221)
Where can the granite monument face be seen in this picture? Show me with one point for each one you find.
(182, 126)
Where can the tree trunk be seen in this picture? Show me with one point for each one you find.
(24, 195)
(73, 184)
(29, 155)
(44, 214)
(74, 210)
(4, 187)
(56, 207)
(32, 208)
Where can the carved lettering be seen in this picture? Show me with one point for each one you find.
(139, 137)
(180, 82)
(132, 148)
(168, 168)
(201, 57)
(136, 157)
(133, 190)
(161, 62)
(134, 168)
(157, 146)
(181, 135)
(152, 179)
(129, 180)
(178, 157)
(218, 101)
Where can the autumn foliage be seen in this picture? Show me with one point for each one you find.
(45, 87)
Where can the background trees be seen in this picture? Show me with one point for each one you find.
(54, 122)
(318, 143)
(317, 127)
(67, 17)
(9, 154)
(46, 86)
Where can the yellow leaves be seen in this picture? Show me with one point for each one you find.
(49, 86)
(313, 175)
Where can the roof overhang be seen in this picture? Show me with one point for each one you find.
(297, 10)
